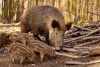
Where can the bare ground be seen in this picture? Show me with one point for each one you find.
(58, 61)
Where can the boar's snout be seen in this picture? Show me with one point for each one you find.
(58, 46)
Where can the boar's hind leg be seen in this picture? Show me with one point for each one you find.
(37, 37)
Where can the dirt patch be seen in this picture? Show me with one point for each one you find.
(58, 61)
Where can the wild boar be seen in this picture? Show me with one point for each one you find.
(42, 48)
(94, 52)
(23, 38)
(25, 52)
(5, 38)
(47, 21)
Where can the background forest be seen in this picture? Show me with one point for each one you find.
(78, 11)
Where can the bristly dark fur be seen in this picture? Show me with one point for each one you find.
(40, 20)
(4, 39)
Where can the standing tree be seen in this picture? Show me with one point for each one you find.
(10, 10)
(63, 10)
(20, 7)
(6, 11)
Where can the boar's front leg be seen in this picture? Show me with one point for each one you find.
(41, 56)
(47, 38)
(22, 59)
(12, 55)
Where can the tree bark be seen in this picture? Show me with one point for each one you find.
(19, 10)
(10, 11)
(6, 10)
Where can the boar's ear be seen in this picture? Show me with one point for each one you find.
(55, 24)
(68, 25)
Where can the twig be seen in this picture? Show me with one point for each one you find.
(75, 33)
(91, 37)
(82, 63)
(91, 25)
(74, 39)
(71, 56)
(84, 33)
(92, 32)
(70, 31)
(69, 49)
(9, 25)
(87, 43)
(82, 28)
(85, 53)
(90, 48)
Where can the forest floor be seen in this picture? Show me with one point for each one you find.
(57, 61)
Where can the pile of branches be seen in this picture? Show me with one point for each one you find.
(82, 35)
(82, 38)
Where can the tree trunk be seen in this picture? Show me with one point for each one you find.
(63, 10)
(10, 11)
(6, 11)
(19, 10)
(2, 9)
